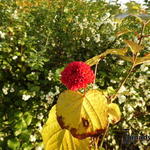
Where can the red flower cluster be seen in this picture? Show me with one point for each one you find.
(77, 75)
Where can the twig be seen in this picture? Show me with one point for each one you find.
(125, 79)
(133, 65)
(102, 141)
(95, 71)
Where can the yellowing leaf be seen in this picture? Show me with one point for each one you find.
(114, 113)
(123, 32)
(96, 59)
(135, 48)
(55, 138)
(84, 115)
(141, 60)
(130, 59)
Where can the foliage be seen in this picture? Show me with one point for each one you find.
(36, 41)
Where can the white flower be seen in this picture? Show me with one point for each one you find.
(143, 68)
(112, 81)
(81, 26)
(97, 38)
(148, 72)
(5, 90)
(120, 62)
(66, 10)
(25, 97)
(57, 90)
(113, 142)
(130, 117)
(92, 30)
(122, 89)
(132, 91)
(2, 34)
(50, 74)
(121, 98)
(15, 57)
(12, 90)
(148, 96)
(15, 15)
(130, 108)
(39, 126)
(87, 39)
(32, 138)
(39, 148)
(141, 80)
(117, 147)
(124, 125)
(98, 23)
(40, 116)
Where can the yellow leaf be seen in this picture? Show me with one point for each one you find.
(84, 115)
(96, 59)
(144, 59)
(123, 32)
(55, 138)
(114, 113)
(130, 59)
(135, 48)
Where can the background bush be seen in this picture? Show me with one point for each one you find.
(37, 39)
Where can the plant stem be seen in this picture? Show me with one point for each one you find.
(125, 79)
(102, 141)
(122, 83)
(95, 71)
(133, 65)
(96, 143)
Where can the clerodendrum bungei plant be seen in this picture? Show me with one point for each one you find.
(82, 116)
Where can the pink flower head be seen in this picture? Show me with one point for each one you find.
(77, 75)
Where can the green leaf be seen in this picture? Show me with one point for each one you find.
(83, 114)
(27, 146)
(110, 90)
(28, 118)
(55, 138)
(17, 131)
(135, 48)
(13, 143)
(96, 59)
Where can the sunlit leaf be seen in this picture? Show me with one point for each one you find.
(114, 113)
(135, 48)
(123, 32)
(96, 59)
(13, 143)
(144, 59)
(55, 138)
(127, 58)
(84, 115)
(28, 118)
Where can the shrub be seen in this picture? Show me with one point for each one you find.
(36, 42)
